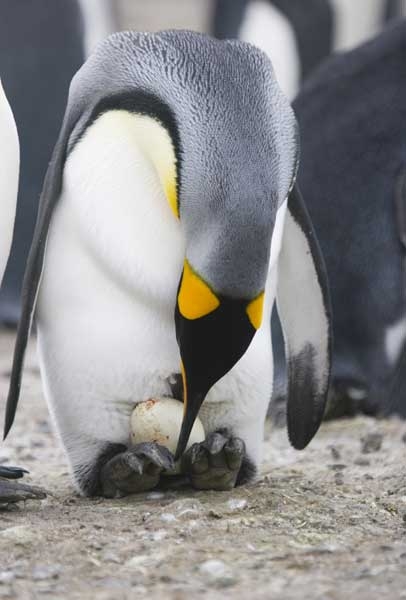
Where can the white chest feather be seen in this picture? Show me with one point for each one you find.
(113, 261)
(266, 27)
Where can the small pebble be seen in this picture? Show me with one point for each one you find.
(187, 508)
(339, 478)
(237, 503)
(168, 518)
(335, 453)
(159, 535)
(217, 573)
(111, 557)
(215, 514)
(44, 572)
(20, 535)
(372, 442)
(138, 561)
(362, 462)
(155, 496)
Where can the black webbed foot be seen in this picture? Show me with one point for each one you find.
(137, 469)
(215, 463)
(11, 491)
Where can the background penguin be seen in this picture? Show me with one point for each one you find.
(10, 165)
(297, 35)
(351, 115)
(41, 47)
(10, 491)
(170, 204)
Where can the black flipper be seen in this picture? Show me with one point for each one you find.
(50, 193)
(305, 313)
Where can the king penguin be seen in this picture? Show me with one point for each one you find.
(169, 221)
(10, 491)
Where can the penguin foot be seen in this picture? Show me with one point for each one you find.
(12, 492)
(215, 463)
(138, 469)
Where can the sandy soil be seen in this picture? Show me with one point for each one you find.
(326, 523)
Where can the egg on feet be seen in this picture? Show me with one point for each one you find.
(159, 420)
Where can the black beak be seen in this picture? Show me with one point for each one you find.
(209, 346)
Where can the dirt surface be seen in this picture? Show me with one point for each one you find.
(325, 523)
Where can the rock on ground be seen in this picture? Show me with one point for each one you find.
(325, 523)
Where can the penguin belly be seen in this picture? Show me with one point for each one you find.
(114, 256)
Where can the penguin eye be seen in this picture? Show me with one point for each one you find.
(195, 298)
(255, 309)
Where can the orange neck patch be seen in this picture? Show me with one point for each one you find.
(195, 298)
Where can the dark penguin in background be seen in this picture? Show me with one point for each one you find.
(352, 117)
(298, 35)
(41, 47)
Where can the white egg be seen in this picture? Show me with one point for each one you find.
(159, 420)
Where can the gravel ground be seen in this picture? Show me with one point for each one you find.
(325, 523)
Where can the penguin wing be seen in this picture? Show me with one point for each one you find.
(304, 308)
(49, 196)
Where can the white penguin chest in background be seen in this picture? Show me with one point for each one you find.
(9, 169)
(114, 253)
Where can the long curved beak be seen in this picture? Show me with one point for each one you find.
(209, 346)
(192, 401)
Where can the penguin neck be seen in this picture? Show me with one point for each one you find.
(120, 187)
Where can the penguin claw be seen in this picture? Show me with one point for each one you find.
(12, 472)
(137, 469)
(215, 463)
(12, 492)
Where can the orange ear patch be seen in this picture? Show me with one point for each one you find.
(195, 298)
(255, 309)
